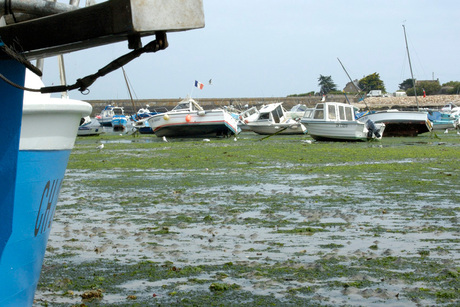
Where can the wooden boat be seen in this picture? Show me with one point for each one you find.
(335, 121)
(273, 119)
(188, 119)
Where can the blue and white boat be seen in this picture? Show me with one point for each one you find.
(39, 131)
(119, 119)
(441, 120)
(89, 127)
(35, 151)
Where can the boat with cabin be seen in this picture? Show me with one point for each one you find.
(89, 127)
(336, 121)
(189, 119)
(273, 119)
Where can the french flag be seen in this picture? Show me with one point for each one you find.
(199, 85)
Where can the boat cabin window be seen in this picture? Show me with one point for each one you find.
(118, 111)
(319, 112)
(349, 113)
(264, 116)
(331, 112)
(249, 112)
(182, 106)
(342, 112)
(308, 113)
(277, 114)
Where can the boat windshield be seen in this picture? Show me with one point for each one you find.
(182, 106)
(319, 111)
(349, 113)
(248, 112)
(331, 112)
(277, 114)
(118, 111)
(264, 116)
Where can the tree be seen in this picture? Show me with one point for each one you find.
(454, 87)
(326, 84)
(430, 87)
(406, 84)
(372, 82)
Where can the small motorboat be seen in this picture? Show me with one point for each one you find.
(336, 121)
(273, 119)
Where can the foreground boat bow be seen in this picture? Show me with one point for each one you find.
(39, 131)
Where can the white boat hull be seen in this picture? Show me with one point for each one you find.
(401, 123)
(341, 131)
(283, 128)
(193, 124)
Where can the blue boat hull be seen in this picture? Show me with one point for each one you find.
(39, 133)
(38, 182)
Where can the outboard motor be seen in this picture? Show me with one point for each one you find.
(372, 129)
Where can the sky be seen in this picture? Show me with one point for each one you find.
(276, 48)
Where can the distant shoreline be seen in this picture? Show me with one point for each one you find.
(377, 103)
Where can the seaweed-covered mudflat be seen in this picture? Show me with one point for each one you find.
(285, 221)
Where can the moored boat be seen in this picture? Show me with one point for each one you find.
(189, 119)
(89, 127)
(441, 120)
(401, 123)
(47, 134)
(119, 119)
(106, 115)
(335, 121)
(246, 117)
(272, 119)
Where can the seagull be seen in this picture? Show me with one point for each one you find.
(100, 146)
(206, 140)
(210, 81)
(235, 139)
(447, 131)
(164, 139)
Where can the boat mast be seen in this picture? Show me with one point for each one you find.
(353, 83)
(129, 90)
(410, 65)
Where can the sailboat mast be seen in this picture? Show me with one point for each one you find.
(129, 90)
(410, 65)
(353, 83)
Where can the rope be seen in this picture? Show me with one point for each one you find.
(82, 84)
(17, 85)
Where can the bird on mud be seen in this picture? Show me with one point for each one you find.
(164, 139)
(100, 146)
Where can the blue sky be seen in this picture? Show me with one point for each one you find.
(274, 48)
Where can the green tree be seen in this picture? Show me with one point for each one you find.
(406, 84)
(455, 87)
(326, 84)
(430, 87)
(372, 82)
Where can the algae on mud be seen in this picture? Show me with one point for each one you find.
(274, 222)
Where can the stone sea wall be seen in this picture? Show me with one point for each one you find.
(435, 102)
